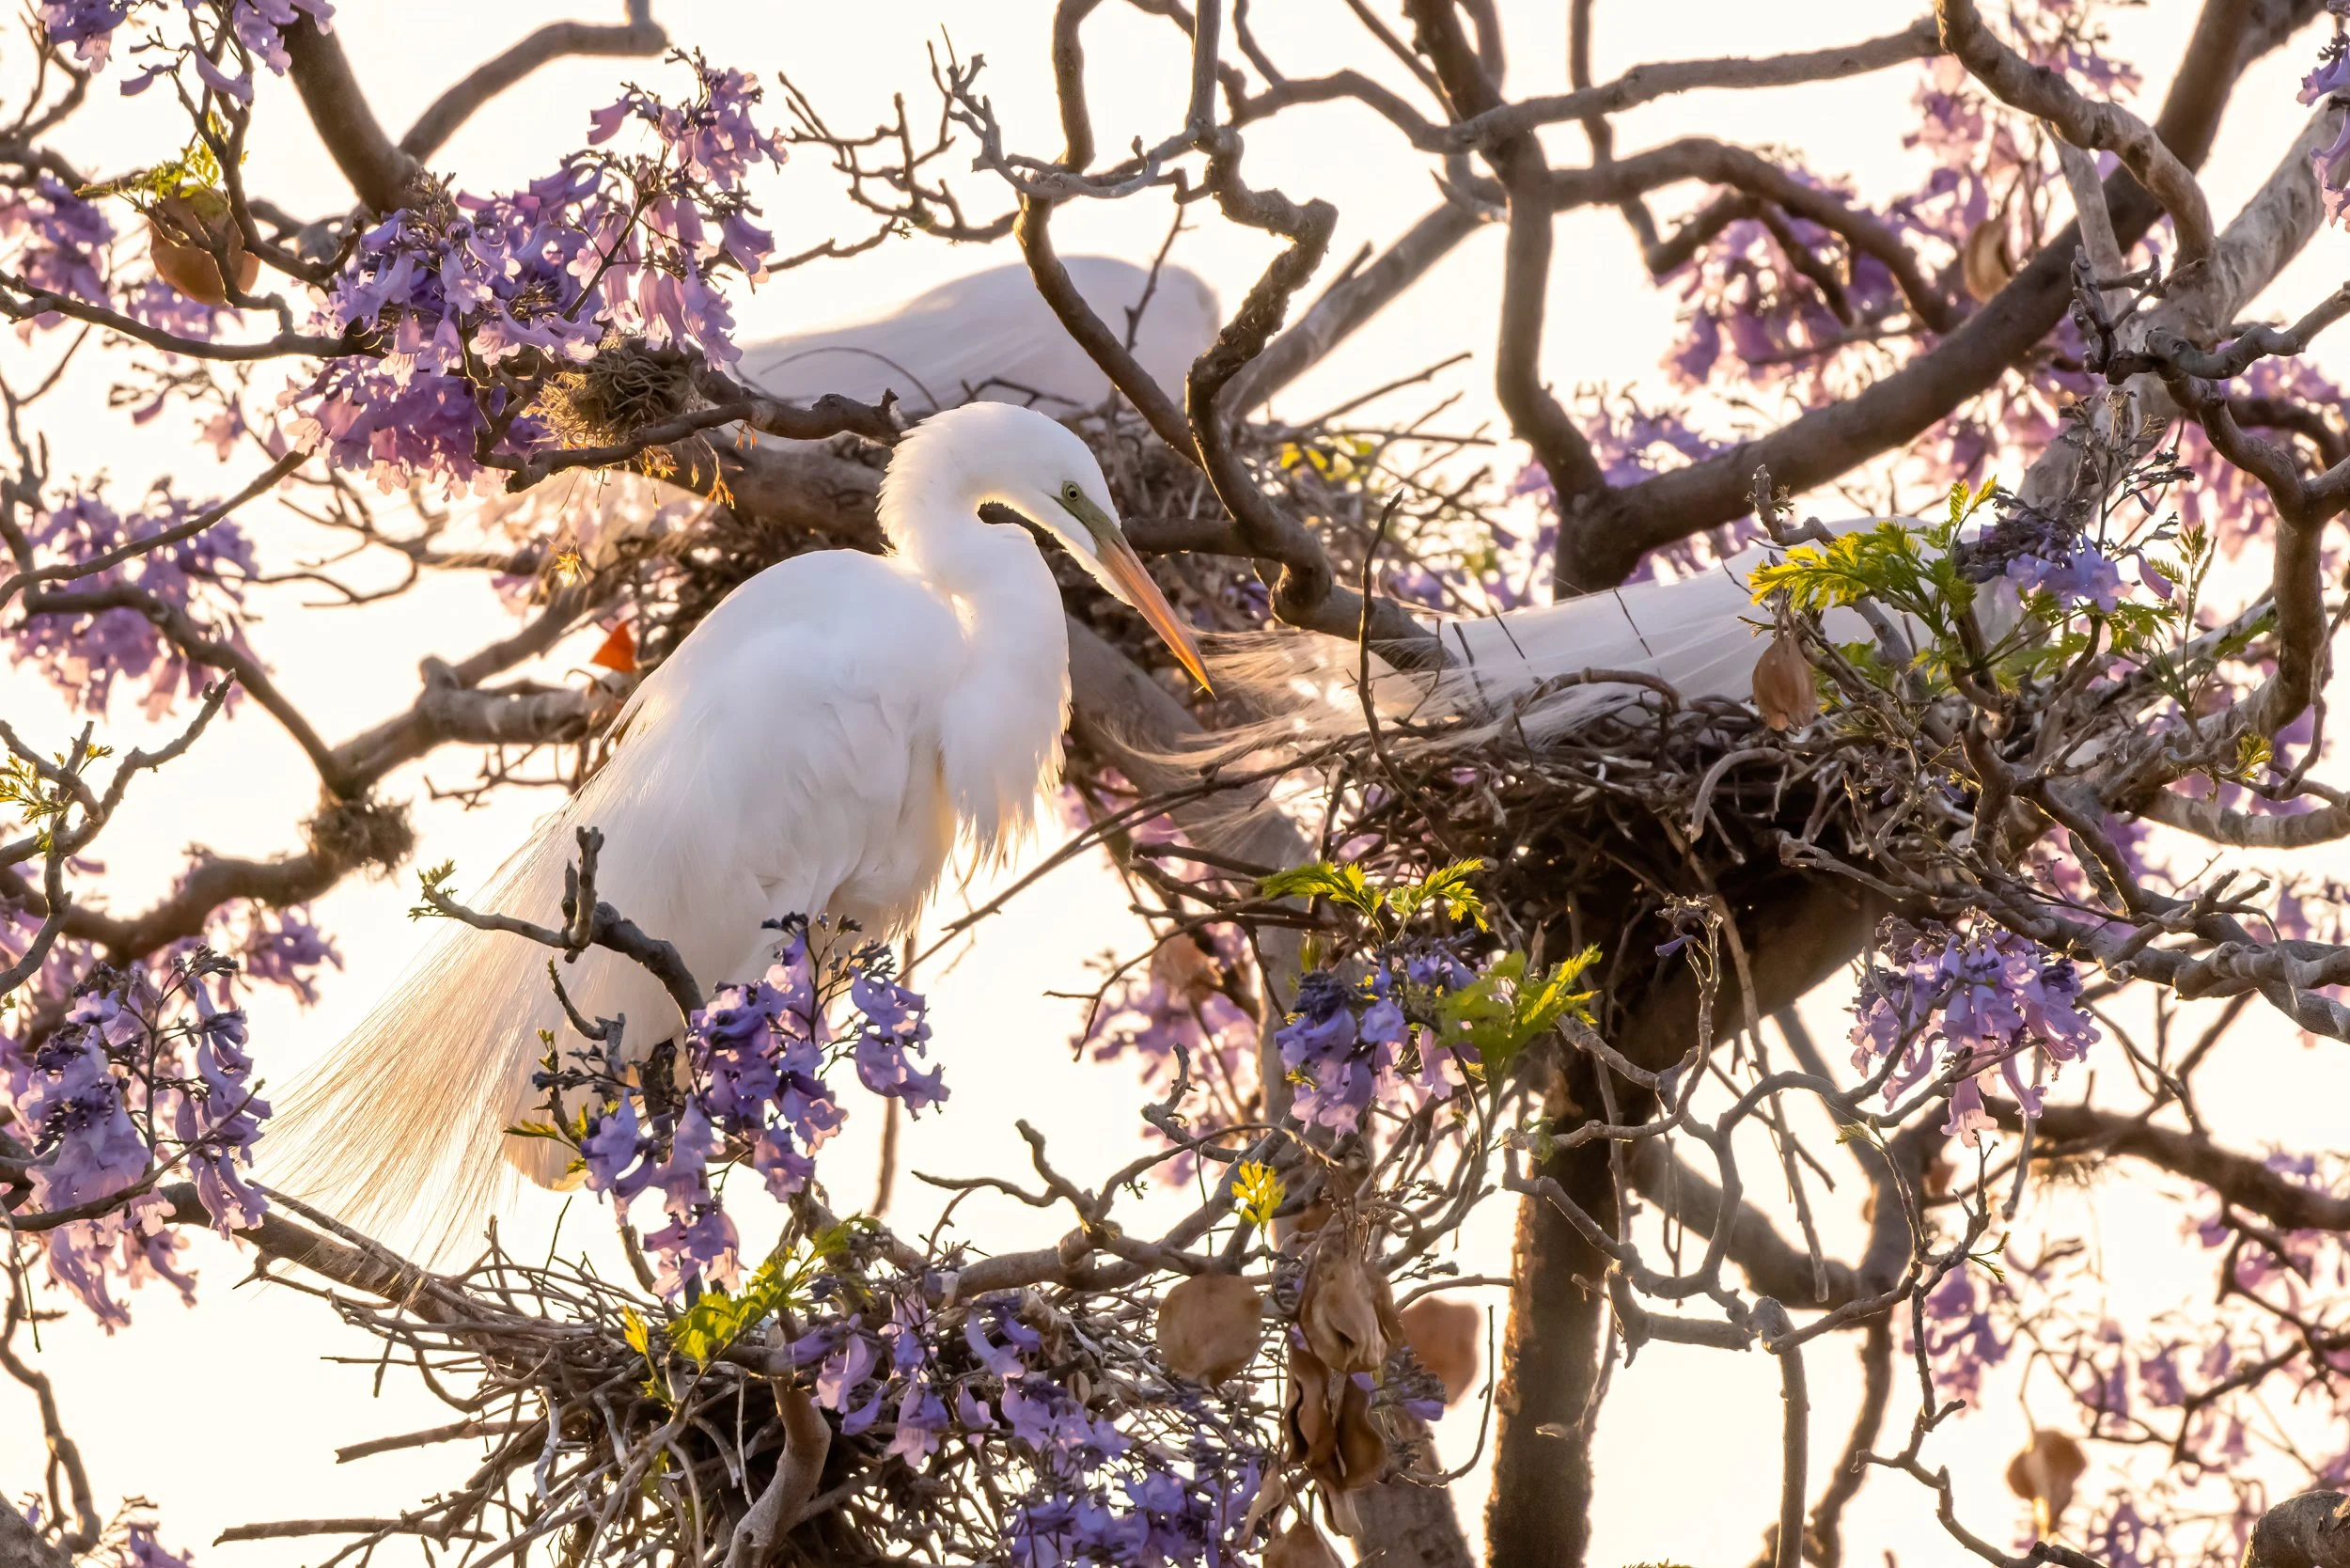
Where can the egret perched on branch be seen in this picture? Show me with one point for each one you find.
(820, 743)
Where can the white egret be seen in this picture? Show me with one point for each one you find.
(985, 337)
(819, 745)
(990, 335)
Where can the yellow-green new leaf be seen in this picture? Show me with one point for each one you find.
(1340, 884)
(1258, 1191)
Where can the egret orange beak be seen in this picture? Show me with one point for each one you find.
(1125, 569)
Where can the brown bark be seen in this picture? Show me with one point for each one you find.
(1539, 1513)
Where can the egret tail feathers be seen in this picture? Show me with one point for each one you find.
(402, 1130)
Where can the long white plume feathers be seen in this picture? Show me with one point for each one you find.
(400, 1129)
(990, 335)
(1517, 672)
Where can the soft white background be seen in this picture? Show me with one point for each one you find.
(229, 1412)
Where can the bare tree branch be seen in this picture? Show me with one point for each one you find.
(554, 41)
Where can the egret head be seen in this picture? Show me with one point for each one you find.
(1043, 471)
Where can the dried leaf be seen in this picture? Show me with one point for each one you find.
(1985, 264)
(1361, 1452)
(1209, 1327)
(1448, 1336)
(1344, 1306)
(1783, 692)
(2045, 1474)
(1188, 970)
(1306, 1422)
(1272, 1491)
(182, 232)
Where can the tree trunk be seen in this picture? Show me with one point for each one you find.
(1539, 1513)
(1800, 930)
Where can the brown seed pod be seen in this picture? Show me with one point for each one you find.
(2044, 1475)
(1307, 1419)
(1783, 693)
(1272, 1491)
(1344, 1306)
(1327, 1423)
(1984, 265)
(1445, 1336)
(1209, 1327)
(1361, 1452)
(182, 231)
(1301, 1545)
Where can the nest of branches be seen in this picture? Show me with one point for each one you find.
(626, 388)
(1658, 822)
(618, 1432)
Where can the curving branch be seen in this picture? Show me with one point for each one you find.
(20, 301)
(2241, 1181)
(732, 403)
(2241, 829)
(1645, 83)
(2091, 124)
(1601, 545)
(378, 169)
(1537, 416)
(1724, 164)
(639, 36)
(1347, 303)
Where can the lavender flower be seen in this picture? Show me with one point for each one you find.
(85, 654)
(2081, 575)
(1977, 999)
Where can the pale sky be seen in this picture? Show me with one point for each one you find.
(228, 1413)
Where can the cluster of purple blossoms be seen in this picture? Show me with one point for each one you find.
(1345, 1043)
(253, 28)
(85, 26)
(1965, 1001)
(1079, 1491)
(1176, 1012)
(1759, 311)
(604, 248)
(1746, 294)
(84, 654)
(280, 946)
(2298, 1265)
(54, 240)
(2331, 79)
(1961, 1337)
(757, 1056)
(140, 1549)
(137, 1077)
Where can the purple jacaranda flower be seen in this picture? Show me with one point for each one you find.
(2082, 576)
(140, 1549)
(1981, 998)
(614, 1152)
(971, 1412)
(921, 1423)
(87, 25)
(85, 654)
(845, 1371)
(55, 241)
(995, 1357)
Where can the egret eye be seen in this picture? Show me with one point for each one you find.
(1071, 493)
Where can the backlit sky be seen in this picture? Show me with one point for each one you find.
(228, 1413)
